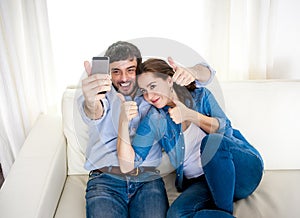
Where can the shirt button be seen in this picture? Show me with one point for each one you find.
(182, 147)
(178, 175)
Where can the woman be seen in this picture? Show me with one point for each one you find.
(215, 165)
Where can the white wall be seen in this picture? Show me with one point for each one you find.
(287, 46)
(82, 29)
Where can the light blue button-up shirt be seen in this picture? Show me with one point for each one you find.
(103, 133)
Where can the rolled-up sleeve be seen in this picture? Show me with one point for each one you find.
(208, 105)
(222, 124)
(212, 75)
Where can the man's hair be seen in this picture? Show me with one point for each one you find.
(121, 50)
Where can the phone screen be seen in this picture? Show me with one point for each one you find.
(100, 65)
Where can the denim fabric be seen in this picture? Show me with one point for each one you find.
(232, 171)
(196, 201)
(232, 167)
(112, 196)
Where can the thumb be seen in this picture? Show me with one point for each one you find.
(121, 97)
(87, 67)
(172, 63)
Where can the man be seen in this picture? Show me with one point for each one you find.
(111, 193)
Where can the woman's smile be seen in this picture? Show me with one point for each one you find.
(155, 100)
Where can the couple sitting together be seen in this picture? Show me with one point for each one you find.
(153, 106)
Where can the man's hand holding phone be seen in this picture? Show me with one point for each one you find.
(95, 86)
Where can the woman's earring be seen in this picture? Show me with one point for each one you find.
(171, 89)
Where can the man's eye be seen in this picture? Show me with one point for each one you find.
(115, 72)
(131, 70)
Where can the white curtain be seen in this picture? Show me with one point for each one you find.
(240, 37)
(27, 83)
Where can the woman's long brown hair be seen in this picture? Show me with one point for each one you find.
(162, 69)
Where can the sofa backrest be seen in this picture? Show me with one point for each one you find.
(264, 111)
(75, 130)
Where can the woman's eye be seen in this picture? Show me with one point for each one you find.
(152, 86)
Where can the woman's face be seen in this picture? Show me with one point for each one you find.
(156, 90)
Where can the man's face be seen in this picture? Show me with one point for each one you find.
(123, 75)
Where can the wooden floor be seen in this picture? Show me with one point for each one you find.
(1, 176)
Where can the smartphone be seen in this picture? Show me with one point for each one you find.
(100, 65)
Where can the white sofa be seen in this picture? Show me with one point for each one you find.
(48, 180)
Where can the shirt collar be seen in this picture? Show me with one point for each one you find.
(137, 94)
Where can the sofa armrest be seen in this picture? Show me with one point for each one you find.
(36, 179)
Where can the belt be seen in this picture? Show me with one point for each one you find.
(117, 171)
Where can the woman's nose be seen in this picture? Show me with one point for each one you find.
(150, 95)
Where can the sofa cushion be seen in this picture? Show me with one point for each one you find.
(72, 200)
(276, 196)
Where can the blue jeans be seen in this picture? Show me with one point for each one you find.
(232, 170)
(115, 196)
